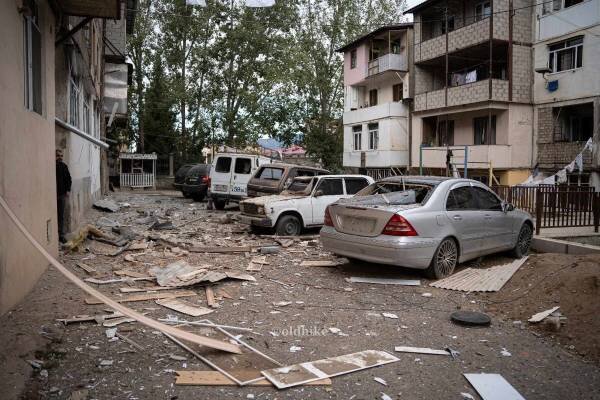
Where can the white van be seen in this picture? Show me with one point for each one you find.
(230, 174)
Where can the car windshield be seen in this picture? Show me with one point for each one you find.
(396, 193)
(301, 185)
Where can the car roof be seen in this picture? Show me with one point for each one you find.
(198, 166)
(287, 165)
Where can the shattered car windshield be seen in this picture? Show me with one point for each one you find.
(396, 193)
(301, 185)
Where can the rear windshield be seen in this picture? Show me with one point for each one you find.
(201, 170)
(397, 193)
(270, 173)
(223, 164)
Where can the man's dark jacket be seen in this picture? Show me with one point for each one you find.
(63, 178)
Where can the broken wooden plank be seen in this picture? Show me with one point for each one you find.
(539, 317)
(216, 378)
(222, 293)
(117, 321)
(118, 280)
(148, 289)
(298, 374)
(145, 297)
(493, 387)
(222, 249)
(256, 263)
(210, 297)
(319, 263)
(132, 274)
(130, 341)
(184, 307)
(384, 281)
(178, 321)
(165, 329)
(421, 350)
(89, 318)
(86, 268)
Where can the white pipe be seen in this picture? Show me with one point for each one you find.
(84, 135)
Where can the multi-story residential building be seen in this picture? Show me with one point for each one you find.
(47, 79)
(567, 87)
(378, 85)
(473, 73)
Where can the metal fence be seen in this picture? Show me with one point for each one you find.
(555, 206)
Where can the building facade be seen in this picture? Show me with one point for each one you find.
(473, 96)
(566, 87)
(378, 87)
(36, 76)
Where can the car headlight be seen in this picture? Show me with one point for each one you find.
(260, 210)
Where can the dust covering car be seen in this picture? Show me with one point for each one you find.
(302, 205)
(275, 178)
(430, 223)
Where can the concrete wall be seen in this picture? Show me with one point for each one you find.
(27, 166)
(355, 75)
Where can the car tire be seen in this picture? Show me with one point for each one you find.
(288, 225)
(444, 260)
(219, 204)
(521, 249)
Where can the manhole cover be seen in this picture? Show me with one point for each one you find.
(470, 318)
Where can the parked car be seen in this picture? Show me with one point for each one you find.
(274, 178)
(230, 175)
(302, 205)
(197, 182)
(180, 176)
(429, 223)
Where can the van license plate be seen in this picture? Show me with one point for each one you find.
(221, 188)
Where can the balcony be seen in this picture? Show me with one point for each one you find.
(464, 94)
(91, 8)
(499, 155)
(462, 38)
(558, 23)
(388, 62)
(380, 111)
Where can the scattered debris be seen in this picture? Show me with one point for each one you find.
(256, 263)
(480, 280)
(467, 396)
(384, 281)
(389, 315)
(119, 280)
(110, 333)
(216, 378)
(105, 222)
(184, 307)
(493, 387)
(427, 294)
(269, 249)
(37, 364)
(380, 380)
(294, 349)
(299, 374)
(210, 297)
(177, 358)
(221, 249)
(385, 396)
(99, 319)
(421, 350)
(281, 303)
(319, 263)
(86, 268)
(505, 352)
(106, 205)
(542, 315)
(144, 297)
(162, 226)
(130, 341)
(181, 273)
(117, 321)
(470, 318)
(106, 363)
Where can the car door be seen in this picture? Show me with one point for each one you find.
(220, 175)
(498, 224)
(242, 172)
(466, 219)
(327, 191)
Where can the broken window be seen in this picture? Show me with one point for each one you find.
(354, 185)
(32, 51)
(566, 55)
(397, 193)
(573, 123)
(484, 130)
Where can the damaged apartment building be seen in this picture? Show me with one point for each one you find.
(473, 96)
(566, 88)
(52, 81)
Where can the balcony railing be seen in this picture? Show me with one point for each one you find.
(385, 110)
(465, 94)
(499, 155)
(391, 61)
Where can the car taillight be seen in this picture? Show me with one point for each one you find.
(398, 226)
(327, 220)
(206, 179)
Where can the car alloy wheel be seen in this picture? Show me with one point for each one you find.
(445, 259)
(523, 241)
(288, 225)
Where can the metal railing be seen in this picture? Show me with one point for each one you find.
(137, 180)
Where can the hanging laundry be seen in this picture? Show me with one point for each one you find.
(551, 180)
(471, 76)
(571, 167)
(579, 161)
(588, 145)
(561, 176)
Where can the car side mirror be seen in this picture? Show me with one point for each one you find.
(506, 207)
(318, 193)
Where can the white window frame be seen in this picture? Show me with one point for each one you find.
(552, 6)
(86, 123)
(374, 137)
(357, 138)
(553, 54)
(31, 25)
(483, 15)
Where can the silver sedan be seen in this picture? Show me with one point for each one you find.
(430, 223)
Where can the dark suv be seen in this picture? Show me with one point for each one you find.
(180, 177)
(274, 178)
(197, 182)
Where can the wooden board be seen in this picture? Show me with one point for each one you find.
(298, 374)
(493, 387)
(184, 307)
(145, 297)
(147, 289)
(178, 333)
(232, 249)
(86, 268)
(421, 350)
(210, 296)
(131, 274)
(216, 378)
(319, 263)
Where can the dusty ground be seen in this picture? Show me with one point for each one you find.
(540, 366)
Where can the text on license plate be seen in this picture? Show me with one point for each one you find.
(358, 224)
(221, 188)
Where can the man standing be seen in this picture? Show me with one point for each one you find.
(63, 187)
